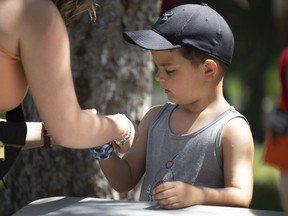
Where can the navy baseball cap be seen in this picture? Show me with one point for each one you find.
(190, 25)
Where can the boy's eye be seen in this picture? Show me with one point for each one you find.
(169, 71)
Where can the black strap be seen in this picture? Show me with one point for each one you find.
(12, 132)
(15, 115)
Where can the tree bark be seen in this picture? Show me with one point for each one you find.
(109, 75)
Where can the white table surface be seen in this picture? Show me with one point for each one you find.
(105, 207)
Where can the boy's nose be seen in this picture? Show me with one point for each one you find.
(159, 77)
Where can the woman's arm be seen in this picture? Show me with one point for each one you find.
(45, 53)
(35, 136)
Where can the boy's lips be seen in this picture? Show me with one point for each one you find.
(165, 90)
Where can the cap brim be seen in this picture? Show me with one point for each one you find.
(148, 39)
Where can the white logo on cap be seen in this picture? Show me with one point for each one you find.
(166, 15)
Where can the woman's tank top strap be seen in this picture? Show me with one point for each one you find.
(9, 56)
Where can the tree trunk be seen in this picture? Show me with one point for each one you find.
(108, 75)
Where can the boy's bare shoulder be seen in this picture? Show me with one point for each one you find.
(239, 123)
(150, 114)
(153, 111)
(237, 133)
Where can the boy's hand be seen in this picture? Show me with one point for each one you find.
(172, 195)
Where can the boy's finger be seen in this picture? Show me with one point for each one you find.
(163, 188)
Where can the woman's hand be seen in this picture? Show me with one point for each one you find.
(123, 144)
(129, 131)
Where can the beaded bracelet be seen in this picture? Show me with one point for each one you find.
(103, 152)
(128, 135)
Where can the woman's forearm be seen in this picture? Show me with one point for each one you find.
(87, 130)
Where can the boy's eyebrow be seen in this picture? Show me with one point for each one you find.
(164, 64)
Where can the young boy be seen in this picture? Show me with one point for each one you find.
(196, 149)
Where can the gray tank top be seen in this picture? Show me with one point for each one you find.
(192, 158)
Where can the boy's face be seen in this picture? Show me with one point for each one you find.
(181, 80)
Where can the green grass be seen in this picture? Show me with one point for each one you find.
(265, 193)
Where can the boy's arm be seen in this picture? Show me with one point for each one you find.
(237, 151)
(124, 173)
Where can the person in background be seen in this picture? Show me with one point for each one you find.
(35, 54)
(196, 149)
(169, 4)
(276, 141)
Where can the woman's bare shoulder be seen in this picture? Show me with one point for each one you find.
(40, 13)
(23, 9)
(24, 16)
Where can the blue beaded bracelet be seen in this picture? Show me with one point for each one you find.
(103, 152)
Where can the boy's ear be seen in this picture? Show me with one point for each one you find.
(210, 68)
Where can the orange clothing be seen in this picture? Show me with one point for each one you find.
(5, 54)
(276, 151)
(276, 146)
(13, 85)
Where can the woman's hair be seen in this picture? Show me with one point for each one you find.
(70, 9)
